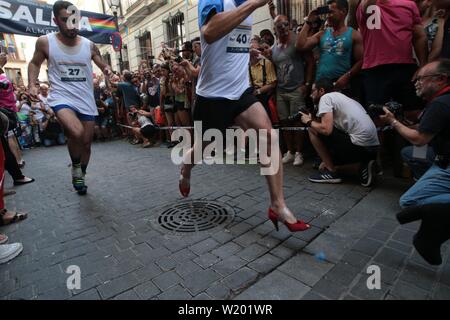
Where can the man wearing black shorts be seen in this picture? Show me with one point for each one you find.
(223, 96)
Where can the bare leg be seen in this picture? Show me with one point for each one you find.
(321, 150)
(256, 117)
(15, 149)
(88, 135)
(74, 132)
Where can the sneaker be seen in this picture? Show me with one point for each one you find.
(367, 176)
(9, 251)
(325, 177)
(298, 159)
(288, 157)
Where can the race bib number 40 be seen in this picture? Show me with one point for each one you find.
(72, 72)
(239, 40)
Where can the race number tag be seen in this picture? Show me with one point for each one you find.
(420, 152)
(239, 40)
(72, 72)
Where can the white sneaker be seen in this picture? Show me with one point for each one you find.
(9, 251)
(288, 157)
(298, 161)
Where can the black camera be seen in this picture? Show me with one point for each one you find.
(323, 10)
(178, 59)
(376, 110)
(298, 115)
(132, 115)
(4, 85)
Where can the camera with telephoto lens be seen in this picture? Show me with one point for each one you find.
(4, 85)
(376, 110)
(133, 115)
(298, 115)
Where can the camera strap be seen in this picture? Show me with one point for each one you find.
(441, 92)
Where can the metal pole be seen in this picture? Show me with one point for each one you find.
(116, 19)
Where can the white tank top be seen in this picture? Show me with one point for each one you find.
(224, 72)
(70, 75)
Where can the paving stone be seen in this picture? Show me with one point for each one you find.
(390, 258)
(117, 286)
(206, 260)
(442, 292)
(403, 290)
(91, 294)
(167, 280)
(175, 293)
(343, 273)
(252, 252)
(240, 279)
(226, 250)
(329, 289)
(204, 246)
(147, 290)
(199, 281)
(266, 263)
(306, 268)
(229, 265)
(275, 286)
(367, 246)
(128, 295)
(186, 268)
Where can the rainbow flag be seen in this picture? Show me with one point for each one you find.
(101, 25)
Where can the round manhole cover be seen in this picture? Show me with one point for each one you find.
(194, 216)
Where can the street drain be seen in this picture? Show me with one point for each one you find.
(194, 216)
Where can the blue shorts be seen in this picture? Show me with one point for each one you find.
(81, 116)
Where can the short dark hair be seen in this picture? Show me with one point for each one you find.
(59, 5)
(196, 39)
(264, 32)
(324, 83)
(340, 4)
(187, 45)
(443, 67)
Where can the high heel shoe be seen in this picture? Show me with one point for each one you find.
(184, 190)
(293, 227)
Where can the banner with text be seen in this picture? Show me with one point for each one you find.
(31, 18)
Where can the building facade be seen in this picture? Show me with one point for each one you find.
(145, 24)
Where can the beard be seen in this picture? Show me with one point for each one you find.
(71, 34)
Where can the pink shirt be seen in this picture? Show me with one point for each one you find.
(393, 41)
(7, 97)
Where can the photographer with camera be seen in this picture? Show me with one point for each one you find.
(433, 85)
(429, 198)
(341, 49)
(143, 125)
(343, 134)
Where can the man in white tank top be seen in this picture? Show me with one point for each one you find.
(71, 97)
(223, 95)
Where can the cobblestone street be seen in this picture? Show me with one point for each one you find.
(111, 234)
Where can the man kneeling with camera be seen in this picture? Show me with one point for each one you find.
(343, 135)
(429, 198)
(143, 125)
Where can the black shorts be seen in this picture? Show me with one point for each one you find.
(148, 131)
(392, 81)
(219, 113)
(343, 151)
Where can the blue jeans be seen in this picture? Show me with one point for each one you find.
(432, 187)
(418, 166)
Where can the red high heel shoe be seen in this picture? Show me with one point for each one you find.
(184, 190)
(293, 227)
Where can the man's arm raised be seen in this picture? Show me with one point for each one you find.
(217, 25)
(40, 54)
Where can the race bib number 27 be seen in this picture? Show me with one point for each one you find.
(72, 72)
(239, 40)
